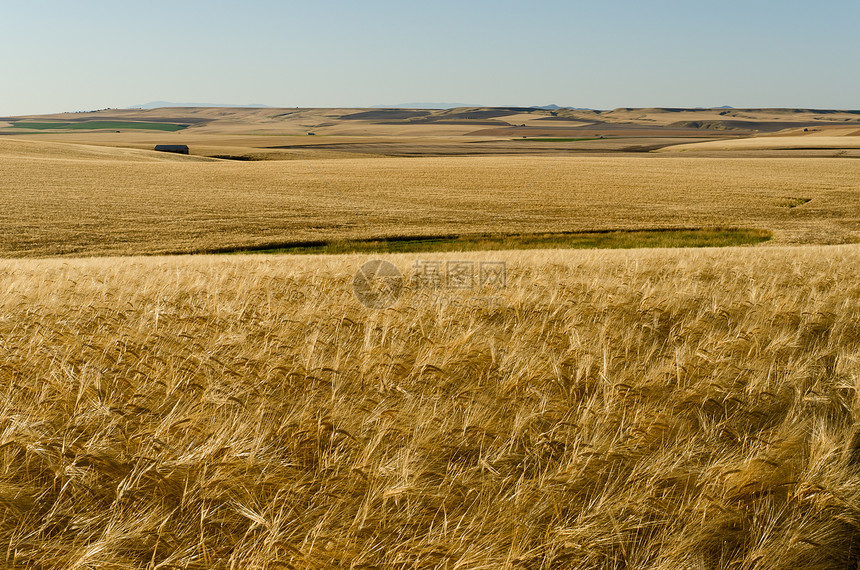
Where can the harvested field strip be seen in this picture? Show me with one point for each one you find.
(557, 140)
(96, 125)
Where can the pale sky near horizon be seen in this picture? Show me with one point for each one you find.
(66, 56)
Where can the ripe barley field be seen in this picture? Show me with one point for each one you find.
(610, 409)
(63, 199)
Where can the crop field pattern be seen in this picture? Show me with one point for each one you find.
(83, 200)
(197, 372)
(671, 409)
(93, 125)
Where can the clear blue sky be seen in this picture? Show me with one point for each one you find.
(75, 55)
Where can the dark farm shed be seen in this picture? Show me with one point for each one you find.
(177, 148)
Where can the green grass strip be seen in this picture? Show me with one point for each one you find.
(621, 239)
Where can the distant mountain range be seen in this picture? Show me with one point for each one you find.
(160, 104)
(424, 106)
(455, 105)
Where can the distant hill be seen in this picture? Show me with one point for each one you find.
(425, 106)
(557, 107)
(456, 105)
(160, 104)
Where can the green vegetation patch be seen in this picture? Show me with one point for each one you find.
(619, 239)
(95, 125)
(794, 202)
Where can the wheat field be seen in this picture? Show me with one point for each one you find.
(611, 409)
(844, 143)
(65, 199)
